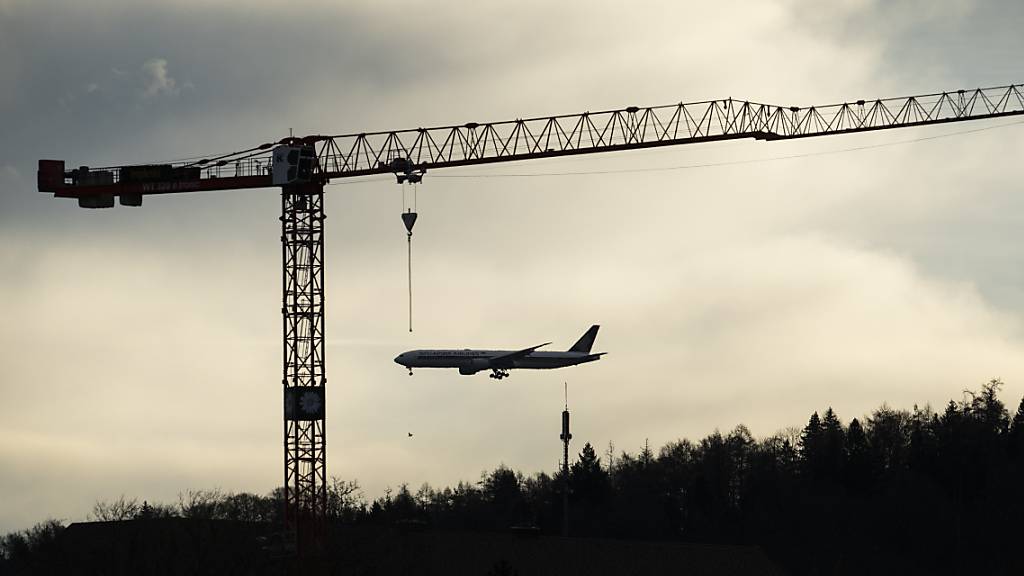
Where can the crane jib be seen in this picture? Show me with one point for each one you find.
(410, 153)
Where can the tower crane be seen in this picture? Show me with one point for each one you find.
(301, 166)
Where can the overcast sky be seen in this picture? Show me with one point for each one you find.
(140, 347)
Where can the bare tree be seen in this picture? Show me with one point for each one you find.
(116, 510)
(344, 499)
(205, 504)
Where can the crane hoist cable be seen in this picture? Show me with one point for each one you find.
(409, 219)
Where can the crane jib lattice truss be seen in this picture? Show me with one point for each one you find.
(305, 164)
(544, 137)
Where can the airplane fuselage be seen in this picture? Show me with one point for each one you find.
(469, 361)
(480, 359)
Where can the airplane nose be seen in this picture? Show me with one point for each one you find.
(398, 359)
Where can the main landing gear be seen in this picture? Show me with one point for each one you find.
(498, 373)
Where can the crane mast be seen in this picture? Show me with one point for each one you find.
(302, 166)
(304, 379)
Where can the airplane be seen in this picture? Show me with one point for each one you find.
(499, 362)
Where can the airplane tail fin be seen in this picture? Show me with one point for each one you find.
(585, 343)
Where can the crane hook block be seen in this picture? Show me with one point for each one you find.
(409, 218)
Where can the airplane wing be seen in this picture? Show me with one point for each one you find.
(505, 360)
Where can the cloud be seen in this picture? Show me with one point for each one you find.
(10, 180)
(157, 80)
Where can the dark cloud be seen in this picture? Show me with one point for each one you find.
(921, 44)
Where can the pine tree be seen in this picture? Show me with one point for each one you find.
(810, 444)
(646, 456)
(811, 434)
(833, 445)
(590, 490)
(1017, 433)
(888, 438)
(588, 463)
(1018, 418)
(503, 491)
(858, 458)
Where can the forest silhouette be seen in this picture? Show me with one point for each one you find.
(901, 491)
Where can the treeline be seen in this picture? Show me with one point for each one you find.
(34, 551)
(898, 492)
(902, 492)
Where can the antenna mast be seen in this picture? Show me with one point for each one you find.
(565, 437)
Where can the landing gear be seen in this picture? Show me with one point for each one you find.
(410, 371)
(498, 373)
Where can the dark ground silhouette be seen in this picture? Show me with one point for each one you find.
(901, 492)
(188, 546)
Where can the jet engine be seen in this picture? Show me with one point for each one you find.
(475, 365)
